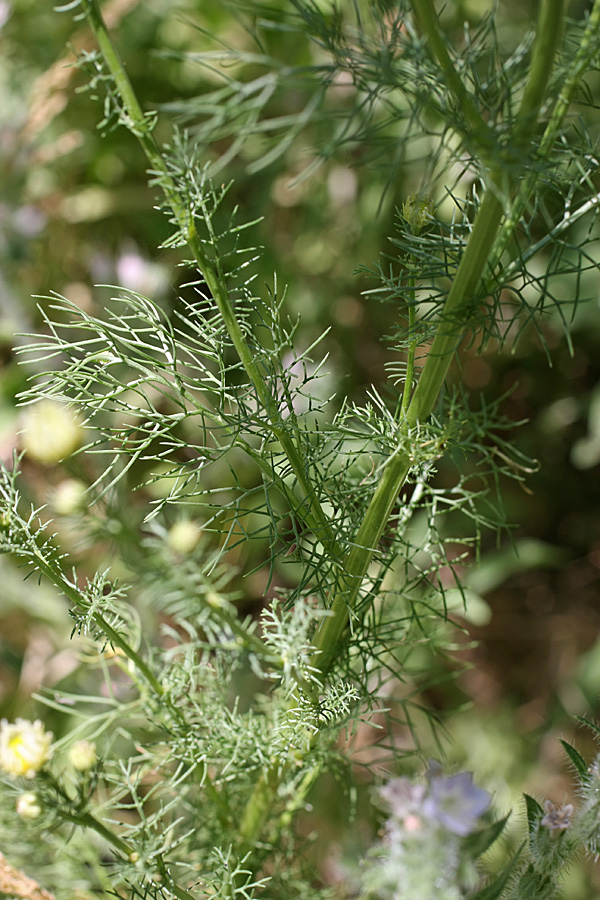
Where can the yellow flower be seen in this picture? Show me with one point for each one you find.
(82, 755)
(29, 806)
(183, 536)
(50, 431)
(69, 497)
(24, 747)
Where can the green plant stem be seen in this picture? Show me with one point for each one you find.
(87, 820)
(311, 509)
(458, 306)
(453, 322)
(427, 18)
(587, 48)
(421, 406)
(227, 616)
(454, 319)
(548, 33)
(259, 806)
(57, 578)
(410, 360)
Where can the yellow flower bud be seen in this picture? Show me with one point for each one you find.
(69, 497)
(50, 431)
(215, 600)
(183, 536)
(29, 805)
(24, 747)
(82, 755)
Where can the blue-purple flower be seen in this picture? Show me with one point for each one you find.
(455, 803)
(402, 797)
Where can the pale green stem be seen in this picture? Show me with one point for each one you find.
(454, 320)
(312, 512)
(87, 820)
(427, 18)
(412, 347)
(458, 307)
(426, 393)
(296, 803)
(587, 48)
(309, 508)
(57, 578)
(258, 807)
(549, 31)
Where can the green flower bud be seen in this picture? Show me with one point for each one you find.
(418, 211)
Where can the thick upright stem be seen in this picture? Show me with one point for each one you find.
(426, 393)
(548, 34)
(454, 319)
(458, 308)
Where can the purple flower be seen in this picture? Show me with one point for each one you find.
(402, 797)
(557, 818)
(455, 802)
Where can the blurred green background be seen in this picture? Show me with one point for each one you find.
(75, 211)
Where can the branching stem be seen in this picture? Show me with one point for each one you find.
(489, 236)
(587, 48)
(427, 18)
(57, 578)
(311, 509)
(84, 819)
(453, 322)
(460, 303)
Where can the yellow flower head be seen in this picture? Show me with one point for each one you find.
(50, 431)
(69, 497)
(183, 536)
(29, 806)
(82, 755)
(24, 747)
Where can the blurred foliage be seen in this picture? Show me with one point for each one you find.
(74, 213)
